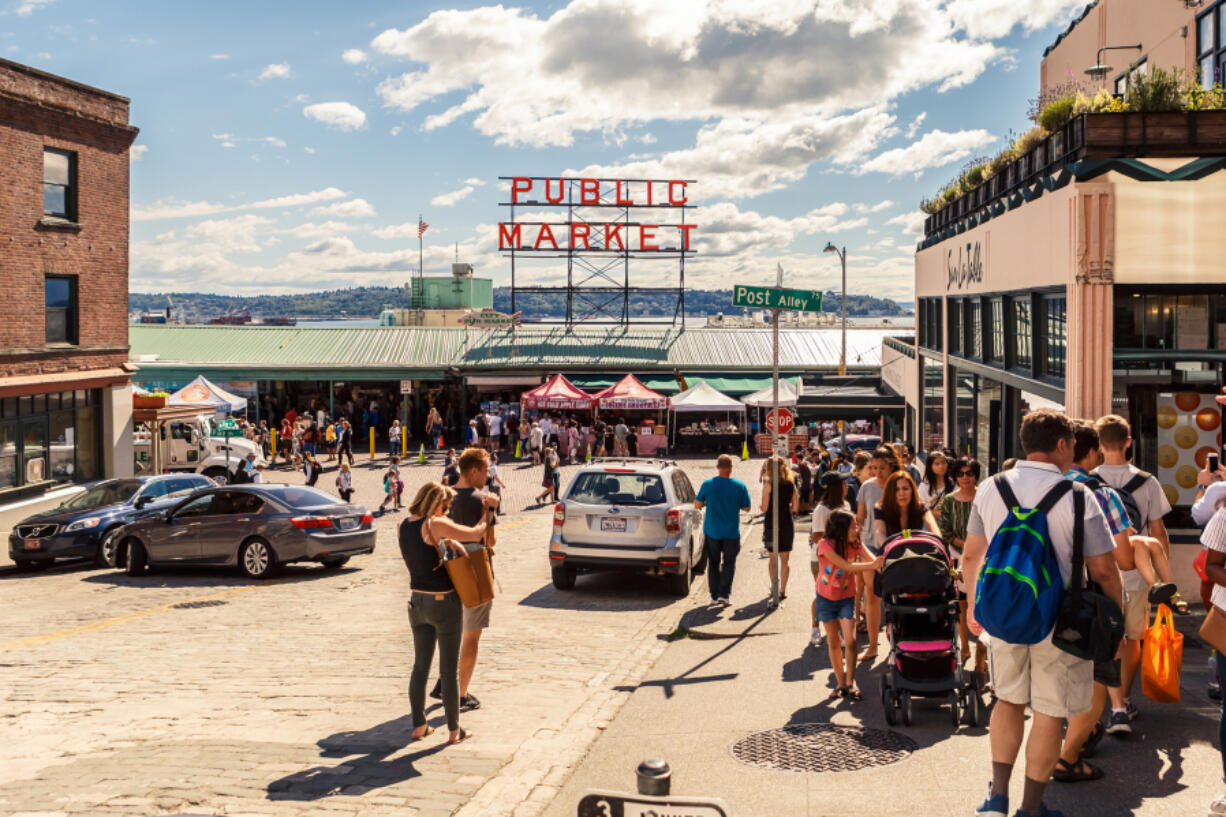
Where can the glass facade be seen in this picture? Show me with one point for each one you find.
(1023, 333)
(988, 423)
(964, 413)
(50, 437)
(974, 330)
(1056, 336)
(1163, 320)
(997, 330)
(933, 409)
(953, 311)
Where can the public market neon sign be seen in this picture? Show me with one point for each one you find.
(596, 236)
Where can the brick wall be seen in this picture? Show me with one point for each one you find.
(37, 111)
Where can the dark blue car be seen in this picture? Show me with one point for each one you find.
(85, 524)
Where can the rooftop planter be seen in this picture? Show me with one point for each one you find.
(1093, 136)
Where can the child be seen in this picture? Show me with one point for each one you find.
(398, 484)
(838, 556)
(389, 490)
(344, 482)
(495, 483)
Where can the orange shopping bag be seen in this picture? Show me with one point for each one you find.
(1162, 658)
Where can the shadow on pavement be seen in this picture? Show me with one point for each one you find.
(358, 776)
(215, 577)
(59, 568)
(610, 591)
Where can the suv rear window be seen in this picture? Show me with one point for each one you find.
(600, 488)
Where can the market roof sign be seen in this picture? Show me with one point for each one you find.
(490, 319)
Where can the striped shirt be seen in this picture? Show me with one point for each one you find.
(1113, 507)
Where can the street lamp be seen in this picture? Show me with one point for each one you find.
(842, 254)
(1099, 71)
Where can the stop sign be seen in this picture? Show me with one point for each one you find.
(780, 421)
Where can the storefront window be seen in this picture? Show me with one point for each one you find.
(954, 311)
(34, 450)
(964, 413)
(998, 330)
(988, 422)
(934, 404)
(87, 447)
(1023, 332)
(8, 455)
(49, 437)
(1057, 335)
(974, 330)
(1192, 322)
(1129, 320)
(63, 436)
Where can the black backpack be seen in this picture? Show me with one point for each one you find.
(1130, 502)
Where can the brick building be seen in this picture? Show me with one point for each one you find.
(65, 398)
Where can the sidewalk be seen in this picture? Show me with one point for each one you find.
(759, 673)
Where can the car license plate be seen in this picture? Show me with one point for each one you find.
(33, 544)
(613, 524)
(347, 523)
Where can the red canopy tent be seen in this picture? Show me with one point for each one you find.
(629, 394)
(557, 394)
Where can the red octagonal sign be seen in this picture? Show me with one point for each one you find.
(780, 421)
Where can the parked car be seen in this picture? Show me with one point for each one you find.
(254, 527)
(627, 514)
(855, 442)
(85, 524)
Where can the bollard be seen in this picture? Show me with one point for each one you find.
(404, 443)
(372, 443)
(654, 777)
(272, 435)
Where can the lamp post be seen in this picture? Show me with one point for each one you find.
(1099, 71)
(842, 254)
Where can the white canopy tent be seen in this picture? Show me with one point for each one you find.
(789, 394)
(706, 399)
(203, 391)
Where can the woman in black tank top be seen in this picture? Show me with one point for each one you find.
(435, 612)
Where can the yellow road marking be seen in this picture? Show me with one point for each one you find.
(113, 621)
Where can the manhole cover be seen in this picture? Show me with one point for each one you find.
(192, 605)
(822, 747)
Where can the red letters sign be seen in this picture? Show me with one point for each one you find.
(588, 235)
(780, 421)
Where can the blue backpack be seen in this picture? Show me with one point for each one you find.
(1020, 589)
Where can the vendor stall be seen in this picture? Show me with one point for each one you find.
(629, 395)
(203, 391)
(715, 422)
(557, 394)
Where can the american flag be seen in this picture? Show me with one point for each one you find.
(421, 227)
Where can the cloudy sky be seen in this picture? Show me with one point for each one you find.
(290, 146)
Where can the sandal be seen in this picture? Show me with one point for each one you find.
(1180, 606)
(853, 694)
(1091, 745)
(463, 736)
(868, 656)
(1078, 772)
(835, 694)
(423, 735)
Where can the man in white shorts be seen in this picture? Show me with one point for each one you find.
(1054, 684)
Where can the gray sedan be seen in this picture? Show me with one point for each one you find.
(256, 527)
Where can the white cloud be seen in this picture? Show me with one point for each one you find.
(996, 18)
(219, 56)
(934, 149)
(176, 209)
(27, 7)
(327, 228)
(395, 131)
(228, 140)
(449, 199)
(278, 70)
(475, 182)
(916, 123)
(727, 230)
(340, 115)
(648, 139)
(354, 56)
(309, 150)
(873, 208)
(137, 152)
(405, 230)
(912, 223)
(231, 234)
(354, 208)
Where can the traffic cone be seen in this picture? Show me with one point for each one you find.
(744, 450)
(421, 454)
(519, 450)
(589, 454)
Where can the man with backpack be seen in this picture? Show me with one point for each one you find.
(1033, 519)
(1146, 504)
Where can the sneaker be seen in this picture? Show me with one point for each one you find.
(1214, 691)
(815, 637)
(1131, 709)
(437, 692)
(1119, 725)
(997, 805)
(771, 604)
(469, 702)
(1218, 807)
(1161, 592)
(724, 601)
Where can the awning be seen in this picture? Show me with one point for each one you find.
(703, 397)
(23, 385)
(735, 385)
(201, 390)
(789, 394)
(597, 382)
(557, 393)
(629, 394)
(503, 380)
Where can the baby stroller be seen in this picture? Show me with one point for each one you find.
(917, 588)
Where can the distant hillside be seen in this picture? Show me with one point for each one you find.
(368, 302)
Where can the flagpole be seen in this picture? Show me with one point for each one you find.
(421, 270)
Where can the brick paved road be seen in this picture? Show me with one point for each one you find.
(288, 696)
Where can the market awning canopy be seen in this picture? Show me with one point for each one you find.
(663, 384)
(203, 391)
(732, 384)
(789, 394)
(629, 394)
(704, 397)
(557, 393)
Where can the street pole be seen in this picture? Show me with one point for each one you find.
(843, 314)
(775, 493)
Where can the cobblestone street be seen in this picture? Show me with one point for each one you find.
(203, 692)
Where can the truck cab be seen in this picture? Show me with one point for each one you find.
(189, 445)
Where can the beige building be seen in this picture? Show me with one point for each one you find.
(1091, 276)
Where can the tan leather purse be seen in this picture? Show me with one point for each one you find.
(1213, 630)
(470, 574)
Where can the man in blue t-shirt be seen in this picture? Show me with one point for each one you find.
(724, 499)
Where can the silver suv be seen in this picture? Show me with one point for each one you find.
(628, 514)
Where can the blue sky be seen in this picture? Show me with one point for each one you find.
(291, 146)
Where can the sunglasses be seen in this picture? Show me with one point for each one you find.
(962, 474)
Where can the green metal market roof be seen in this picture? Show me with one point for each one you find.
(388, 353)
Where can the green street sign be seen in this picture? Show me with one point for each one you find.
(797, 300)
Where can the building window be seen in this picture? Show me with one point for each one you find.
(934, 323)
(61, 306)
(954, 310)
(60, 184)
(1211, 45)
(933, 409)
(998, 330)
(1023, 333)
(973, 348)
(1056, 340)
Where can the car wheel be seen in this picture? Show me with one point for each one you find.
(335, 564)
(679, 583)
(23, 565)
(256, 559)
(218, 474)
(107, 549)
(138, 558)
(564, 577)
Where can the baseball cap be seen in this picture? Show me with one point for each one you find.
(831, 477)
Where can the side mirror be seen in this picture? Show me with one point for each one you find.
(142, 501)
